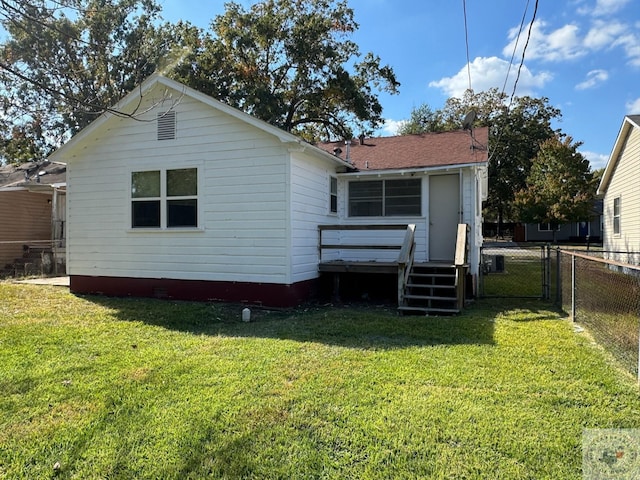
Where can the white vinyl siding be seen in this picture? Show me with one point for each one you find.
(243, 224)
(310, 202)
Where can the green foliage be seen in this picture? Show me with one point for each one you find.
(288, 62)
(62, 66)
(423, 119)
(560, 186)
(134, 388)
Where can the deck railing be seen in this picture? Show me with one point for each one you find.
(461, 262)
(356, 246)
(405, 261)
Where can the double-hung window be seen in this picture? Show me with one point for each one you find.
(616, 216)
(333, 194)
(164, 198)
(385, 198)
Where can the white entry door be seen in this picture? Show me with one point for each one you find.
(444, 214)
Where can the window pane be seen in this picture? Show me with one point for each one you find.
(145, 184)
(365, 199)
(182, 183)
(145, 213)
(334, 186)
(403, 197)
(182, 213)
(333, 194)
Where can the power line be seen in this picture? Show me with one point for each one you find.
(515, 46)
(524, 51)
(466, 40)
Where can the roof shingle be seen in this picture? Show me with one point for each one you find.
(415, 151)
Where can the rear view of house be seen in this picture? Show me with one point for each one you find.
(189, 198)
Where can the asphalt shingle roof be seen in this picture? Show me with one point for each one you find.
(415, 151)
(32, 173)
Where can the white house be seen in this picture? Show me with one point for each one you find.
(619, 185)
(189, 198)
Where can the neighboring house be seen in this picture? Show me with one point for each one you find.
(32, 214)
(573, 232)
(194, 199)
(619, 185)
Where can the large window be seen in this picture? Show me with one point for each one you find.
(616, 216)
(164, 198)
(388, 198)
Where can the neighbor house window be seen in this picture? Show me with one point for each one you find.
(616, 216)
(164, 198)
(388, 198)
(333, 194)
(547, 227)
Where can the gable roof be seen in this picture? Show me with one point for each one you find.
(132, 100)
(460, 147)
(630, 122)
(32, 174)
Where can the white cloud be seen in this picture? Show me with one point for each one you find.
(558, 45)
(391, 127)
(608, 7)
(633, 107)
(489, 72)
(604, 34)
(596, 160)
(607, 35)
(594, 79)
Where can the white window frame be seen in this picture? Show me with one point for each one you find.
(617, 216)
(548, 227)
(164, 198)
(333, 180)
(384, 198)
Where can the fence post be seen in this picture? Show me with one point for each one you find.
(547, 279)
(558, 277)
(573, 288)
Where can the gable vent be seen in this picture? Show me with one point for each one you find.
(167, 125)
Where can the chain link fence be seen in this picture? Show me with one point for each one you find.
(603, 296)
(510, 270)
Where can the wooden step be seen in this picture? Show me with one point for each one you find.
(427, 310)
(426, 285)
(432, 275)
(428, 297)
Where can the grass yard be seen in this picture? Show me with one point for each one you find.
(122, 388)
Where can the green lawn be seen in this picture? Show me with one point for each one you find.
(122, 388)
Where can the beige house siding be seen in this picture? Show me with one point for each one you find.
(24, 217)
(624, 185)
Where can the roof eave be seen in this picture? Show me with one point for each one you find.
(627, 124)
(409, 170)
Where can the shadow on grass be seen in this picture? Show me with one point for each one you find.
(358, 326)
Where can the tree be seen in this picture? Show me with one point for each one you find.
(560, 185)
(516, 131)
(423, 119)
(65, 63)
(292, 64)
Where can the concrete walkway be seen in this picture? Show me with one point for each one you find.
(58, 281)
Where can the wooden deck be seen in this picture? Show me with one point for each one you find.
(341, 266)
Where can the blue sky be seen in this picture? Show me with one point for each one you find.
(584, 55)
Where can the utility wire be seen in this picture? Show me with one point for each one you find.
(515, 47)
(466, 40)
(524, 51)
